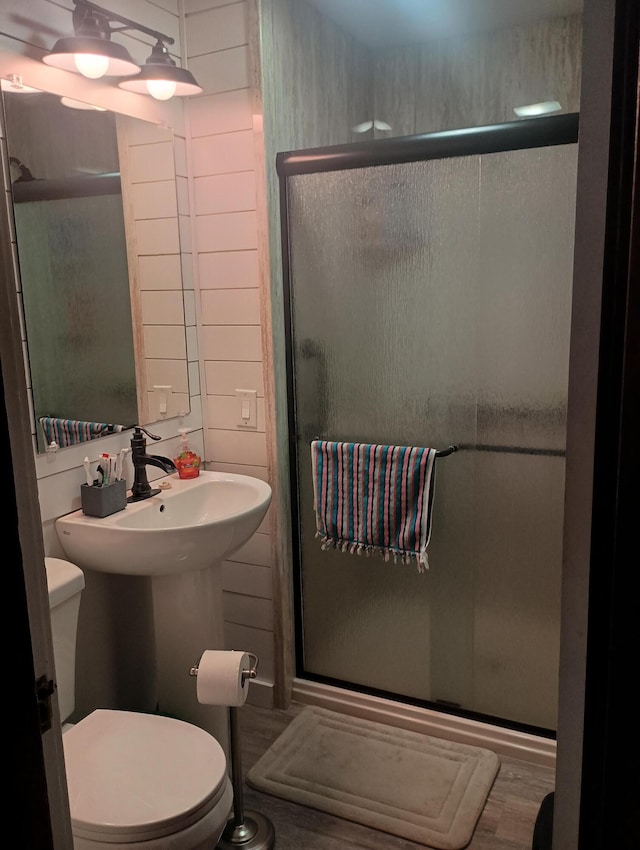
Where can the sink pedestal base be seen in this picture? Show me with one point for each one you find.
(188, 620)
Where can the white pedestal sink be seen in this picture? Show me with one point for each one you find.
(186, 527)
(178, 538)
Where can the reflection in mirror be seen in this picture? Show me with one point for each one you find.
(96, 219)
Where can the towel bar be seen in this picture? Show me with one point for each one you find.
(442, 453)
(447, 452)
(481, 447)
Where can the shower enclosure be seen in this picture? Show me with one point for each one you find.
(428, 299)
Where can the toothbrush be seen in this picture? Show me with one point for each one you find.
(104, 465)
(120, 464)
(87, 472)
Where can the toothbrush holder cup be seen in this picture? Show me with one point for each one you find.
(104, 501)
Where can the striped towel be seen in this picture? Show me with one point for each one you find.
(370, 498)
(70, 432)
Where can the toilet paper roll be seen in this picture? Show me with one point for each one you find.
(219, 680)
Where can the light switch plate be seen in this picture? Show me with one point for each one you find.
(247, 408)
(162, 396)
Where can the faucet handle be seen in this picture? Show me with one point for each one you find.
(138, 428)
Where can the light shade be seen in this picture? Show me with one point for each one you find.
(160, 68)
(64, 52)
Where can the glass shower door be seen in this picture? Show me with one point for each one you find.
(430, 305)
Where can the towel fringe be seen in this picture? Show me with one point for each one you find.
(420, 558)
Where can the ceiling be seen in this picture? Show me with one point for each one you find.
(393, 23)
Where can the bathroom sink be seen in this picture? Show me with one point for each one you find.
(188, 526)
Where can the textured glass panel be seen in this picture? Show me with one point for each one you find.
(430, 306)
(384, 330)
(524, 314)
(75, 283)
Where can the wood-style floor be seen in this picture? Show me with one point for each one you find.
(506, 823)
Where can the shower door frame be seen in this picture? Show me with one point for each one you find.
(524, 134)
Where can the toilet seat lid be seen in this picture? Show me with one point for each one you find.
(135, 777)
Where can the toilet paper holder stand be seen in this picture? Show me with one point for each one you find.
(245, 830)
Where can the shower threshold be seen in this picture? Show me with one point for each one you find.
(507, 742)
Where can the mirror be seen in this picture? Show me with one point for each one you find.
(95, 199)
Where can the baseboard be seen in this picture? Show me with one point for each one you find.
(507, 742)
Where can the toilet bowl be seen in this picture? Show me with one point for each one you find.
(136, 781)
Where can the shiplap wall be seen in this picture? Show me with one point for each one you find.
(221, 131)
(155, 199)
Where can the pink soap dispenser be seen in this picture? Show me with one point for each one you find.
(187, 462)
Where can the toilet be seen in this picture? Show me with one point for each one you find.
(136, 781)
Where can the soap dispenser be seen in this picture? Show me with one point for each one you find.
(188, 462)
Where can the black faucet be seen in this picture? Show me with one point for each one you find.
(141, 460)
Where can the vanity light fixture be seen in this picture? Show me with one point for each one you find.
(91, 53)
(161, 77)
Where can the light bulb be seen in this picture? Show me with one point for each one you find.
(91, 65)
(161, 89)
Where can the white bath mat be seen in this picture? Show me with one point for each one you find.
(404, 783)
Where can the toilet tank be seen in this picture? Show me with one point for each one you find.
(65, 583)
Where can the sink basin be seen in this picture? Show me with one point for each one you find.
(189, 526)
